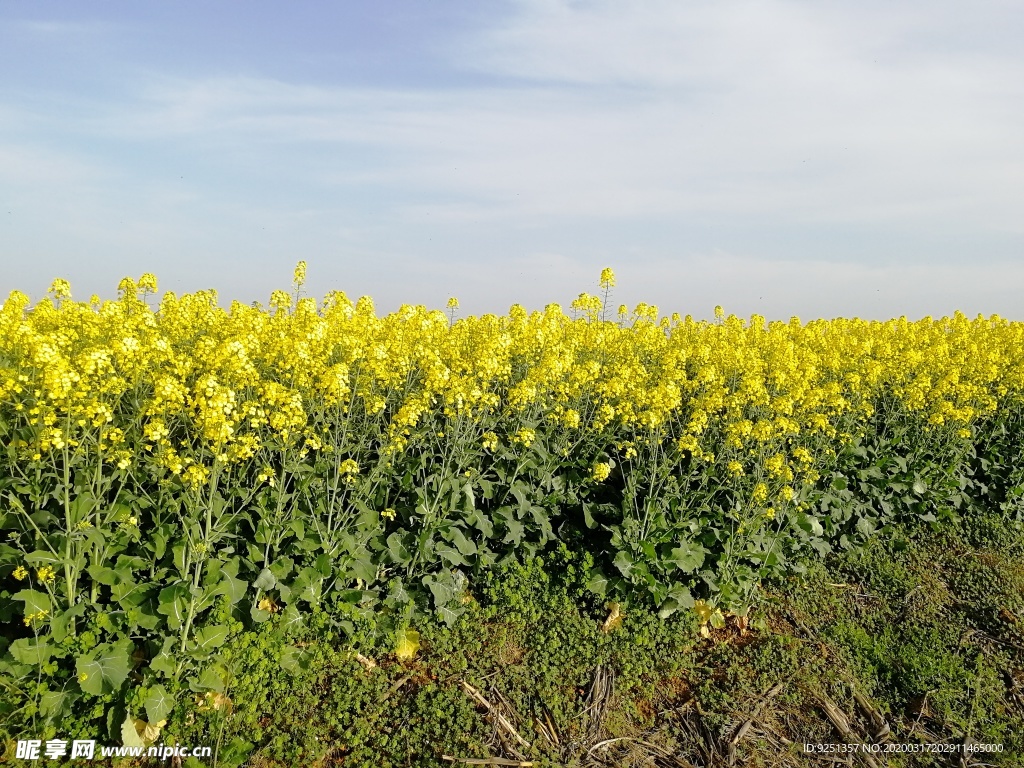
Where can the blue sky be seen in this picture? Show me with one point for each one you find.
(811, 158)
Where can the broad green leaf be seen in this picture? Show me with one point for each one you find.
(208, 638)
(313, 587)
(128, 594)
(397, 550)
(105, 668)
(688, 556)
(265, 580)
(159, 704)
(212, 678)
(678, 599)
(810, 524)
(450, 612)
(35, 601)
(42, 557)
(597, 582)
(259, 615)
(625, 563)
(866, 526)
(451, 556)
(464, 545)
(55, 704)
(173, 603)
(292, 658)
(398, 596)
(61, 623)
(291, 619)
(363, 568)
(103, 575)
(515, 531)
(29, 650)
(165, 662)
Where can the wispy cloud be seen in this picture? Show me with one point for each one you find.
(763, 132)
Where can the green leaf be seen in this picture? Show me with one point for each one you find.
(105, 668)
(208, 638)
(159, 704)
(323, 565)
(688, 556)
(128, 594)
(450, 556)
(597, 582)
(55, 704)
(210, 679)
(129, 735)
(29, 650)
(259, 615)
(131, 563)
(282, 567)
(625, 563)
(866, 526)
(41, 557)
(449, 613)
(173, 603)
(363, 568)
(103, 575)
(291, 619)
(679, 598)
(165, 661)
(482, 523)
(293, 659)
(311, 588)
(464, 545)
(61, 623)
(515, 531)
(398, 596)
(397, 550)
(810, 524)
(265, 580)
(35, 601)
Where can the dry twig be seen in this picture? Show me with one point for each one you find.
(742, 730)
(502, 721)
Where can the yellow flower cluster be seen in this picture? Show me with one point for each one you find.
(188, 384)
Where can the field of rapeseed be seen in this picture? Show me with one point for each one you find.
(174, 472)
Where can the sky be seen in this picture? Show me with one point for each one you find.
(811, 158)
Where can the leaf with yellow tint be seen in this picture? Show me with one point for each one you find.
(703, 611)
(614, 620)
(408, 644)
(717, 619)
(136, 732)
(268, 605)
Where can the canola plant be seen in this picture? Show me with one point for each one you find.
(174, 470)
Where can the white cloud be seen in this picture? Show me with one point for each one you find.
(588, 126)
(814, 113)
